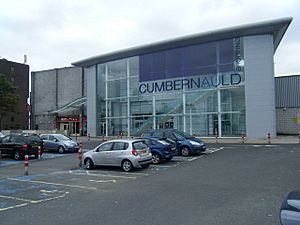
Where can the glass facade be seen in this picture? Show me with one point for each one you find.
(198, 89)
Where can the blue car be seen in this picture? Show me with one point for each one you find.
(186, 144)
(160, 149)
(60, 143)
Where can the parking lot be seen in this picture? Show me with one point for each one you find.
(205, 189)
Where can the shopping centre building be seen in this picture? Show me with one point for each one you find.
(213, 83)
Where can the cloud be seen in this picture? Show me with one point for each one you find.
(55, 33)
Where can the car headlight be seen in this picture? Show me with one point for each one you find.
(195, 143)
(69, 145)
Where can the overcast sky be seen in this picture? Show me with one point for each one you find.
(55, 33)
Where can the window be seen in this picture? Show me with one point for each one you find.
(148, 142)
(45, 137)
(170, 135)
(15, 139)
(33, 139)
(139, 145)
(52, 138)
(5, 139)
(105, 147)
(159, 134)
(120, 146)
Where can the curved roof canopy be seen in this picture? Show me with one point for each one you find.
(74, 105)
(277, 28)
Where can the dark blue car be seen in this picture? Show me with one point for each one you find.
(186, 144)
(160, 149)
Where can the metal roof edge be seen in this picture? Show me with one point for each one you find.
(276, 27)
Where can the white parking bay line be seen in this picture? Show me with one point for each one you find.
(28, 201)
(55, 184)
(103, 181)
(166, 166)
(212, 150)
(13, 207)
(87, 173)
(194, 158)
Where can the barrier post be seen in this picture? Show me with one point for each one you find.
(269, 138)
(89, 136)
(80, 154)
(121, 135)
(39, 152)
(217, 141)
(26, 164)
(243, 138)
(103, 138)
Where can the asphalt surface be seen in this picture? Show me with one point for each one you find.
(231, 184)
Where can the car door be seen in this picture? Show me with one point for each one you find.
(101, 154)
(45, 139)
(117, 153)
(53, 142)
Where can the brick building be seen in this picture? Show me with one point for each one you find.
(18, 75)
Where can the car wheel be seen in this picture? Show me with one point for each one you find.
(127, 165)
(17, 155)
(155, 158)
(89, 164)
(61, 150)
(185, 151)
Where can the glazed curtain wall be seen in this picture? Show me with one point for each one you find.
(198, 89)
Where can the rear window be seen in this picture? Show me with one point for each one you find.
(33, 138)
(139, 145)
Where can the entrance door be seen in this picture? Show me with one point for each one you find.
(74, 127)
(64, 126)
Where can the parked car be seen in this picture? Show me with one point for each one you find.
(19, 145)
(290, 209)
(60, 143)
(161, 149)
(1, 135)
(186, 144)
(128, 154)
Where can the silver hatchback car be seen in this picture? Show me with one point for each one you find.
(128, 154)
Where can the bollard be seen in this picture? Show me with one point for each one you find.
(39, 152)
(269, 138)
(80, 154)
(121, 135)
(89, 136)
(243, 138)
(26, 164)
(76, 136)
(217, 138)
(103, 139)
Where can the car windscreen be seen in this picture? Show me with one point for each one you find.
(183, 134)
(139, 145)
(62, 137)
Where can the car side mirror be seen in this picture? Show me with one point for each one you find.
(290, 209)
